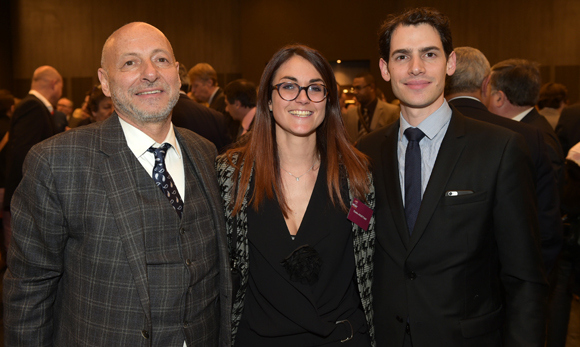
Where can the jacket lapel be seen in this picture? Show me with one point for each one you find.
(120, 169)
(376, 115)
(449, 153)
(392, 183)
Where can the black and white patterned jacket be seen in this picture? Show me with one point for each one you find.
(363, 242)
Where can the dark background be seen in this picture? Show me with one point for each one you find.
(238, 37)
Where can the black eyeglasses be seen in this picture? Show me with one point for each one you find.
(289, 91)
(358, 88)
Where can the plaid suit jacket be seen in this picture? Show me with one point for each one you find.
(77, 273)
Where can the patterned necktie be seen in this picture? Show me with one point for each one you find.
(163, 179)
(412, 176)
(364, 123)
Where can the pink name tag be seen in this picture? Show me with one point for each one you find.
(360, 214)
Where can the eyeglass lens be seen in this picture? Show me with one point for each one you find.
(289, 91)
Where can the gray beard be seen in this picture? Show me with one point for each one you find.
(130, 110)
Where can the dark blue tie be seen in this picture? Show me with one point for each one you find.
(163, 179)
(412, 176)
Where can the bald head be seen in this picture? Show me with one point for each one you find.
(139, 72)
(48, 82)
(127, 33)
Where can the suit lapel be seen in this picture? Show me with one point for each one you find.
(376, 115)
(392, 183)
(120, 169)
(449, 153)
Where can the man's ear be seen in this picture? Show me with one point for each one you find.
(384, 70)
(499, 98)
(104, 79)
(178, 77)
(451, 63)
(237, 104)
(484, 86)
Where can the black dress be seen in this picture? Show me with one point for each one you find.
(281, 310)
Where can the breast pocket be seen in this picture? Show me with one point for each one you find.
(464, 199)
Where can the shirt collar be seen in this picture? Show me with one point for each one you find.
(465, 97)
(521, 116)
(43, 99)
(371, 105)
(432, 124)
(139, 142)
(213, 95)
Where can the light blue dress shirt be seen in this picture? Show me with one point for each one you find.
(435, 126)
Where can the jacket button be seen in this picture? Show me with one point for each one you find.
(181, 231)
(187, 262)
(399, 319)
(145, 334)
(412, 276)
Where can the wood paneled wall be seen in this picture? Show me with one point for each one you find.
(546, 31)
(240, 36)
(69, 34)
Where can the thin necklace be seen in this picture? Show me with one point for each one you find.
(298, 177)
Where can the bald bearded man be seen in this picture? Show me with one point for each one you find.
(119, 238)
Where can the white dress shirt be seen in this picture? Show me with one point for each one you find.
(43, 99)
(139, 143)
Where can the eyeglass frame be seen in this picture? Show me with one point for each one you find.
(300, 88)
(358, 88)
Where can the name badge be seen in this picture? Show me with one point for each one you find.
(360, 214)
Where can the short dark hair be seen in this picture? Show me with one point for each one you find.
(518, 79)
(415, 16)
(369, 79)
(243, 91)
(552, 95)
(95, 99)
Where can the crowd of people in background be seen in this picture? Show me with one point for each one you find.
(267, 160)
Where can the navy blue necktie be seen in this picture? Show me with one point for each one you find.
(163, 179)
(412, 176)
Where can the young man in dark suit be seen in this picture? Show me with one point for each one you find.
(119, 236)
(457, 260)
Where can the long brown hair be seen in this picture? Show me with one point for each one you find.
(260, 152)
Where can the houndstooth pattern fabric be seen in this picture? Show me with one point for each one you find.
(363, 244)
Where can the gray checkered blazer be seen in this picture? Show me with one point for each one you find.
(77, 273)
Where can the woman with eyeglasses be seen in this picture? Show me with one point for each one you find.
(305, 269)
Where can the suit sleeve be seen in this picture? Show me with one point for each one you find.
(548, 206)
(35, 259)
(517, 236)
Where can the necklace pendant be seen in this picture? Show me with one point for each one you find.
(297, 179)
